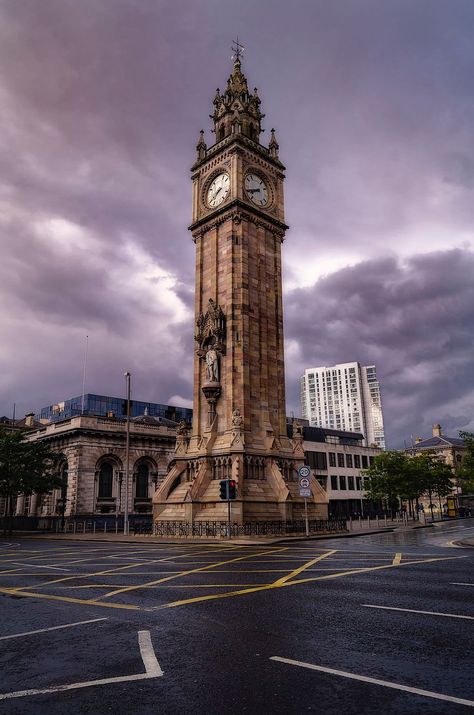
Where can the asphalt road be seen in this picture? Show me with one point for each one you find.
(375, 624)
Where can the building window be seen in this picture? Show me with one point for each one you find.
(364, 461)
(332, 459)
(340, 460)
(357, 461)
(349, 461)
(317, 460)
(141, 488)
(371, 460)
(105, 481)
(334, 484)
(350, 482)
(359, 483)
(342, 482)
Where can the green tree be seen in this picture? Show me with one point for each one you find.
(432, 476)
(466, 470)
(390, 479)
(25, 467)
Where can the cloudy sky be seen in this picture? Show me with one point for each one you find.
(101, 103)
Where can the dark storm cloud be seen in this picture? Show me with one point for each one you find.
(413, 319)
(100, 108)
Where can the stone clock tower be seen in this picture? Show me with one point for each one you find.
(239, 423)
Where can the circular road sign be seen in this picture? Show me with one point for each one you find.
(304, 482)
(304, 471)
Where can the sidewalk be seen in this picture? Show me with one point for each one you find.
(237, 541)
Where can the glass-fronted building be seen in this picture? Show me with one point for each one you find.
(103, 405)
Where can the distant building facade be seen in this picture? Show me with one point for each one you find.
(344, 397)
(338, 460)
(103, 405)
(449, 450)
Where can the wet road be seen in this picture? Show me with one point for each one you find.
(380, 623)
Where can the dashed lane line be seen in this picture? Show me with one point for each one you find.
(35, 566)
(152, 670)
(53, 628)
(397, 559)
(376, 681)
(412, 610)
(455, 583)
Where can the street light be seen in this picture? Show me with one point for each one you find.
(127, 457)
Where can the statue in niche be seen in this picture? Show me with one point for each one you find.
(212, 365)
(182, 429)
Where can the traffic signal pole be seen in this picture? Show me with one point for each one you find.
(228, 510)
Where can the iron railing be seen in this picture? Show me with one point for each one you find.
(252, 528)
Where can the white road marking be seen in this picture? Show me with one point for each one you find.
(53, 628)
(34, 566)
(412, 610)
(454, 583)
(150, 662)
(376, 681)
(152, 668)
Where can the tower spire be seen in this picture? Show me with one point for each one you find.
(237, 111)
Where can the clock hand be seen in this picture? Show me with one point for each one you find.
(252, 191)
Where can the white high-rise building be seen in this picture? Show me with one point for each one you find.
(345, 397)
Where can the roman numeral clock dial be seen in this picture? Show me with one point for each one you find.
(256, 189)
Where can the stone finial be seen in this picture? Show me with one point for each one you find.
(201, 147)
(273, 146)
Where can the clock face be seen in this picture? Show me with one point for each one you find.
(218, 190)
(256, 189)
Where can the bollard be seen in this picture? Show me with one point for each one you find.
(74, 528)
(385, 518)
(350, 523)
(116, 527)
(378, 521)
(105, 527)
(368, 522)
(93, 527)
(360, 522)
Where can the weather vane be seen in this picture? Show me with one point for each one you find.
(237, 49)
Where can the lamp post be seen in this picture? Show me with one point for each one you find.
(127, 457)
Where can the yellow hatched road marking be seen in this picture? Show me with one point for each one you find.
(230, 594)
(68, 599)
(305, 566)
(183, 573)
(114, 570)
(396, 559)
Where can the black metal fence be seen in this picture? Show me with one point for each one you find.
(252, 528)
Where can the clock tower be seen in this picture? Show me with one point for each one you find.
(239, 426)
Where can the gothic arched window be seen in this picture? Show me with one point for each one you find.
(105, 481)
(141, 487)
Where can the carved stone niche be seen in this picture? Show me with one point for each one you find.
(211, 330)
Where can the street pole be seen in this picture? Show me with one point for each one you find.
(127, 457)
(228, 510)
(306, 515)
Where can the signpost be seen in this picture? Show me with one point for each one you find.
(304, 474)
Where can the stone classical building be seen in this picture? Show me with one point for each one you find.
(239, 418)
(92, 453)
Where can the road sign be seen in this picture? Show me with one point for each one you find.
(304, 482)
(304, 471)
(305, 492)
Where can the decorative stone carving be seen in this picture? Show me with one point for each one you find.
(210, 333)
(237, 419)
(182, 429)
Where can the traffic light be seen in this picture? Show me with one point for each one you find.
(232, 489)
(223, 489)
